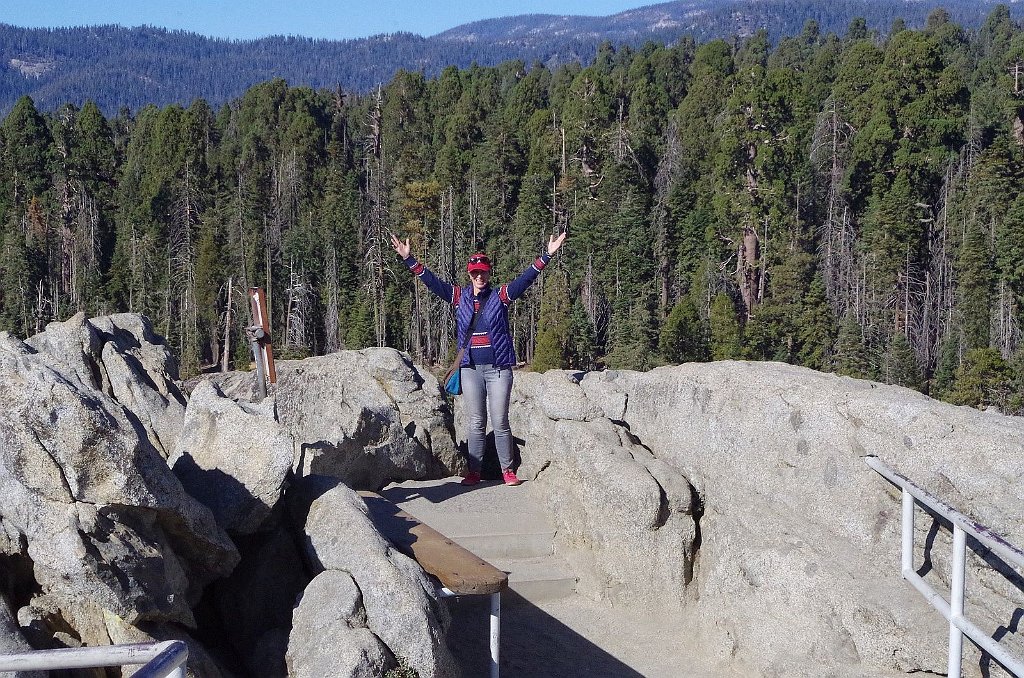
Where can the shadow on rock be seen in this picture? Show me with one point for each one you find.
(533, 643)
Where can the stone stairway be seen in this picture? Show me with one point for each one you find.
(548, 630)
(506, 526)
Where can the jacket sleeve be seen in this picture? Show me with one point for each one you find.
(516, 288)
(441, 288)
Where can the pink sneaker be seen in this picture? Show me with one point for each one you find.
(510, 477)
(471, 478)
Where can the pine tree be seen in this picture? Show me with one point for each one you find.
(850, 356)
(28, 150)
(14, 285)
(899, 364)
(631, 344)
(582, 344)
(946, 367)
(683, 336)
(975, 288)
(552, 351)
(726, 334)
(984, 380)
(816, 328)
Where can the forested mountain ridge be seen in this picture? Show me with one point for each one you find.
(849, 202)
(130, 67)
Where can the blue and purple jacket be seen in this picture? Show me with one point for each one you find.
(491, 342)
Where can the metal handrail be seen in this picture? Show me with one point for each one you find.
(953, 610)
(161, 659)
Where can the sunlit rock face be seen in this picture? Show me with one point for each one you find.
(797, 569)
(89, 500)
(125, 496)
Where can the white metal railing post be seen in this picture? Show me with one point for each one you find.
(953, 610)
(956, 601)
(169, 663)
(495, 632)
(495, 626)
(908, 532)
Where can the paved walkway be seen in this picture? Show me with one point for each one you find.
(548, 630)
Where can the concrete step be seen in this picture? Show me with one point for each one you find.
(501, 525)
(539, 579)
(492, 547)
(492, 536)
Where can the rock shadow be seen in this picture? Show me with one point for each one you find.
(434, 495)
(533, 643)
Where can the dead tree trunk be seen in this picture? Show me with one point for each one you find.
(224, 361)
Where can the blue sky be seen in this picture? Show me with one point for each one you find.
(311, 18)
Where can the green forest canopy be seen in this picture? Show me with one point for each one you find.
(849, 203)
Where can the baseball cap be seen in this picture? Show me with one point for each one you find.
(478, 262)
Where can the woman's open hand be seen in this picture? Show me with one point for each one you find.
(554, 243)
(400, 247)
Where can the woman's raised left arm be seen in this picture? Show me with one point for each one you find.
(517, 287)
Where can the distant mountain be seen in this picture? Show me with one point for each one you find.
(131, 67)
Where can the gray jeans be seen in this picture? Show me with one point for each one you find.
(486, 389)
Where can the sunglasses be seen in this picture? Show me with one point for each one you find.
(477, 274)
(479, 260)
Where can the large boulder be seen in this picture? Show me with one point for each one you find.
(368, 417)
(329, 633)
(104, 520)
(233, 457)
(798, 533)
(381, 593)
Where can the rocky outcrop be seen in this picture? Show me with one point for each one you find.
(733, 493)
(104, 543)
(795, 531)
(368, 417)
(104, 520)
(377, 604)
(122, 357)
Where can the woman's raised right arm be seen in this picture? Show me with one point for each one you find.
(441, 288)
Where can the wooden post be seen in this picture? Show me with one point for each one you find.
(259, 336)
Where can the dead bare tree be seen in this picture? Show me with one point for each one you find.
(1006, 330)
(228, 312)
(837, 236)
(181, 295)
(332, 340)
(448, 243)
(298, 309)
(375, 217)
(664, 179)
